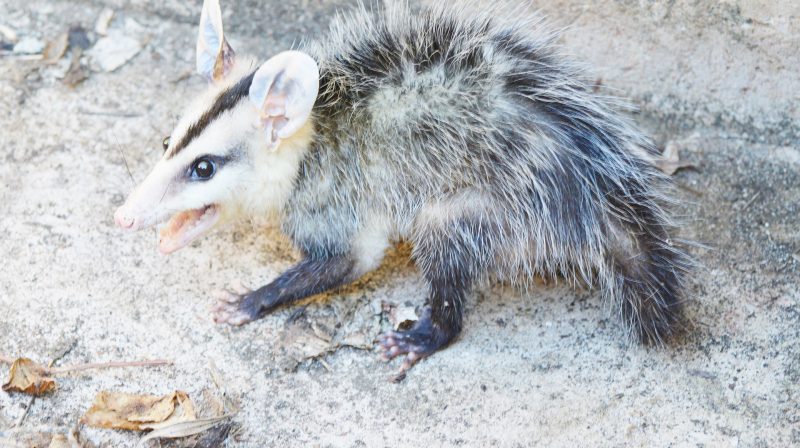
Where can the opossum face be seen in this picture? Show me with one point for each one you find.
(237, 149)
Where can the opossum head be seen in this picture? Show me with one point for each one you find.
(237, 149)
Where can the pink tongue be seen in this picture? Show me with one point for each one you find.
(173, 235)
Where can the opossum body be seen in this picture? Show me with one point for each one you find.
(468, 136)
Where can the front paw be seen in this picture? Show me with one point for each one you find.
(236, 307)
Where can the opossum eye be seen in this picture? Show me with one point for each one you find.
(203, 169)
(165, 143)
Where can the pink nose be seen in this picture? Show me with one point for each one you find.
(122, 219)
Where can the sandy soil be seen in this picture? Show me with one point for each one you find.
(546, 367)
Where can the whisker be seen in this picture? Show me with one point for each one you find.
(165, 192)
(124, 160)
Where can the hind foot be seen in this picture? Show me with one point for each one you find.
(421, 340)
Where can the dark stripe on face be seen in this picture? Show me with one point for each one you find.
(226, 100)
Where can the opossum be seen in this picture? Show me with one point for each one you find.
(466, 134)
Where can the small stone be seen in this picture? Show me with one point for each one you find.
(103, 21)
(112, 52)
(29, 45)
(8, 34)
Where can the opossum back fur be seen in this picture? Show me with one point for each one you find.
(470, 134)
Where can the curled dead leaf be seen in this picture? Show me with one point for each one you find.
(76, 72)
(670, 162)
(184, 428)
(29, 378)
(183, 412)
(103, 21)
(312, 335)
(56, 48)
(117, 410)
(60, 441)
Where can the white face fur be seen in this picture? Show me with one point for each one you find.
(236, 149)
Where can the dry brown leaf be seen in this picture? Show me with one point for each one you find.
(317, 331)
(76, 72)
(119, 410)
(670, 162)
(56, 48)
(184, 429)
(184, 412)
(29, 378)
(60, 441)
(301, 343)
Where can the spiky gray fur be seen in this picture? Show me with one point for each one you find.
(477, 141)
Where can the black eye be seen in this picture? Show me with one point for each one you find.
(203, 169)
(165, 143)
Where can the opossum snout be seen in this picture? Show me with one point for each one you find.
(123, 219)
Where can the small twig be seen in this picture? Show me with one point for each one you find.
(750, 202)
(22, 57)
(25, 413)
(33, 397)
(183, 76)
(125, 160)
(216, 377)
(101, 365)
(109, 113)
(63, 352)
(109, 365)
(325, 364)
(690, 189)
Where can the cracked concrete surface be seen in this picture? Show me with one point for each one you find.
(546, 367)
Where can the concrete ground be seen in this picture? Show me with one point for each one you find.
(717, 80)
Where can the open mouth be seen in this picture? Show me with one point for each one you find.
(185, 227)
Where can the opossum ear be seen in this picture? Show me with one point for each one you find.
(284, 90)
(214, 55)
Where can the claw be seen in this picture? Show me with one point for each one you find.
(386, 341)
(227, 296)
(423, 339)
(393, 352)
(239, 288)
(409, 362)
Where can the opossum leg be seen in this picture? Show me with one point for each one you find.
(305, 279)
(439, 324)
(451, 254)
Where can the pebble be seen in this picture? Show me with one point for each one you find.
(29, 45)
(8, 34)
(113, 51)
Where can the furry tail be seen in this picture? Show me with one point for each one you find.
(645, 277)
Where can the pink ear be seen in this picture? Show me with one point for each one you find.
(284, 90)
(215, 57)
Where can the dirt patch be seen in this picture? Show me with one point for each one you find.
(546, 367)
